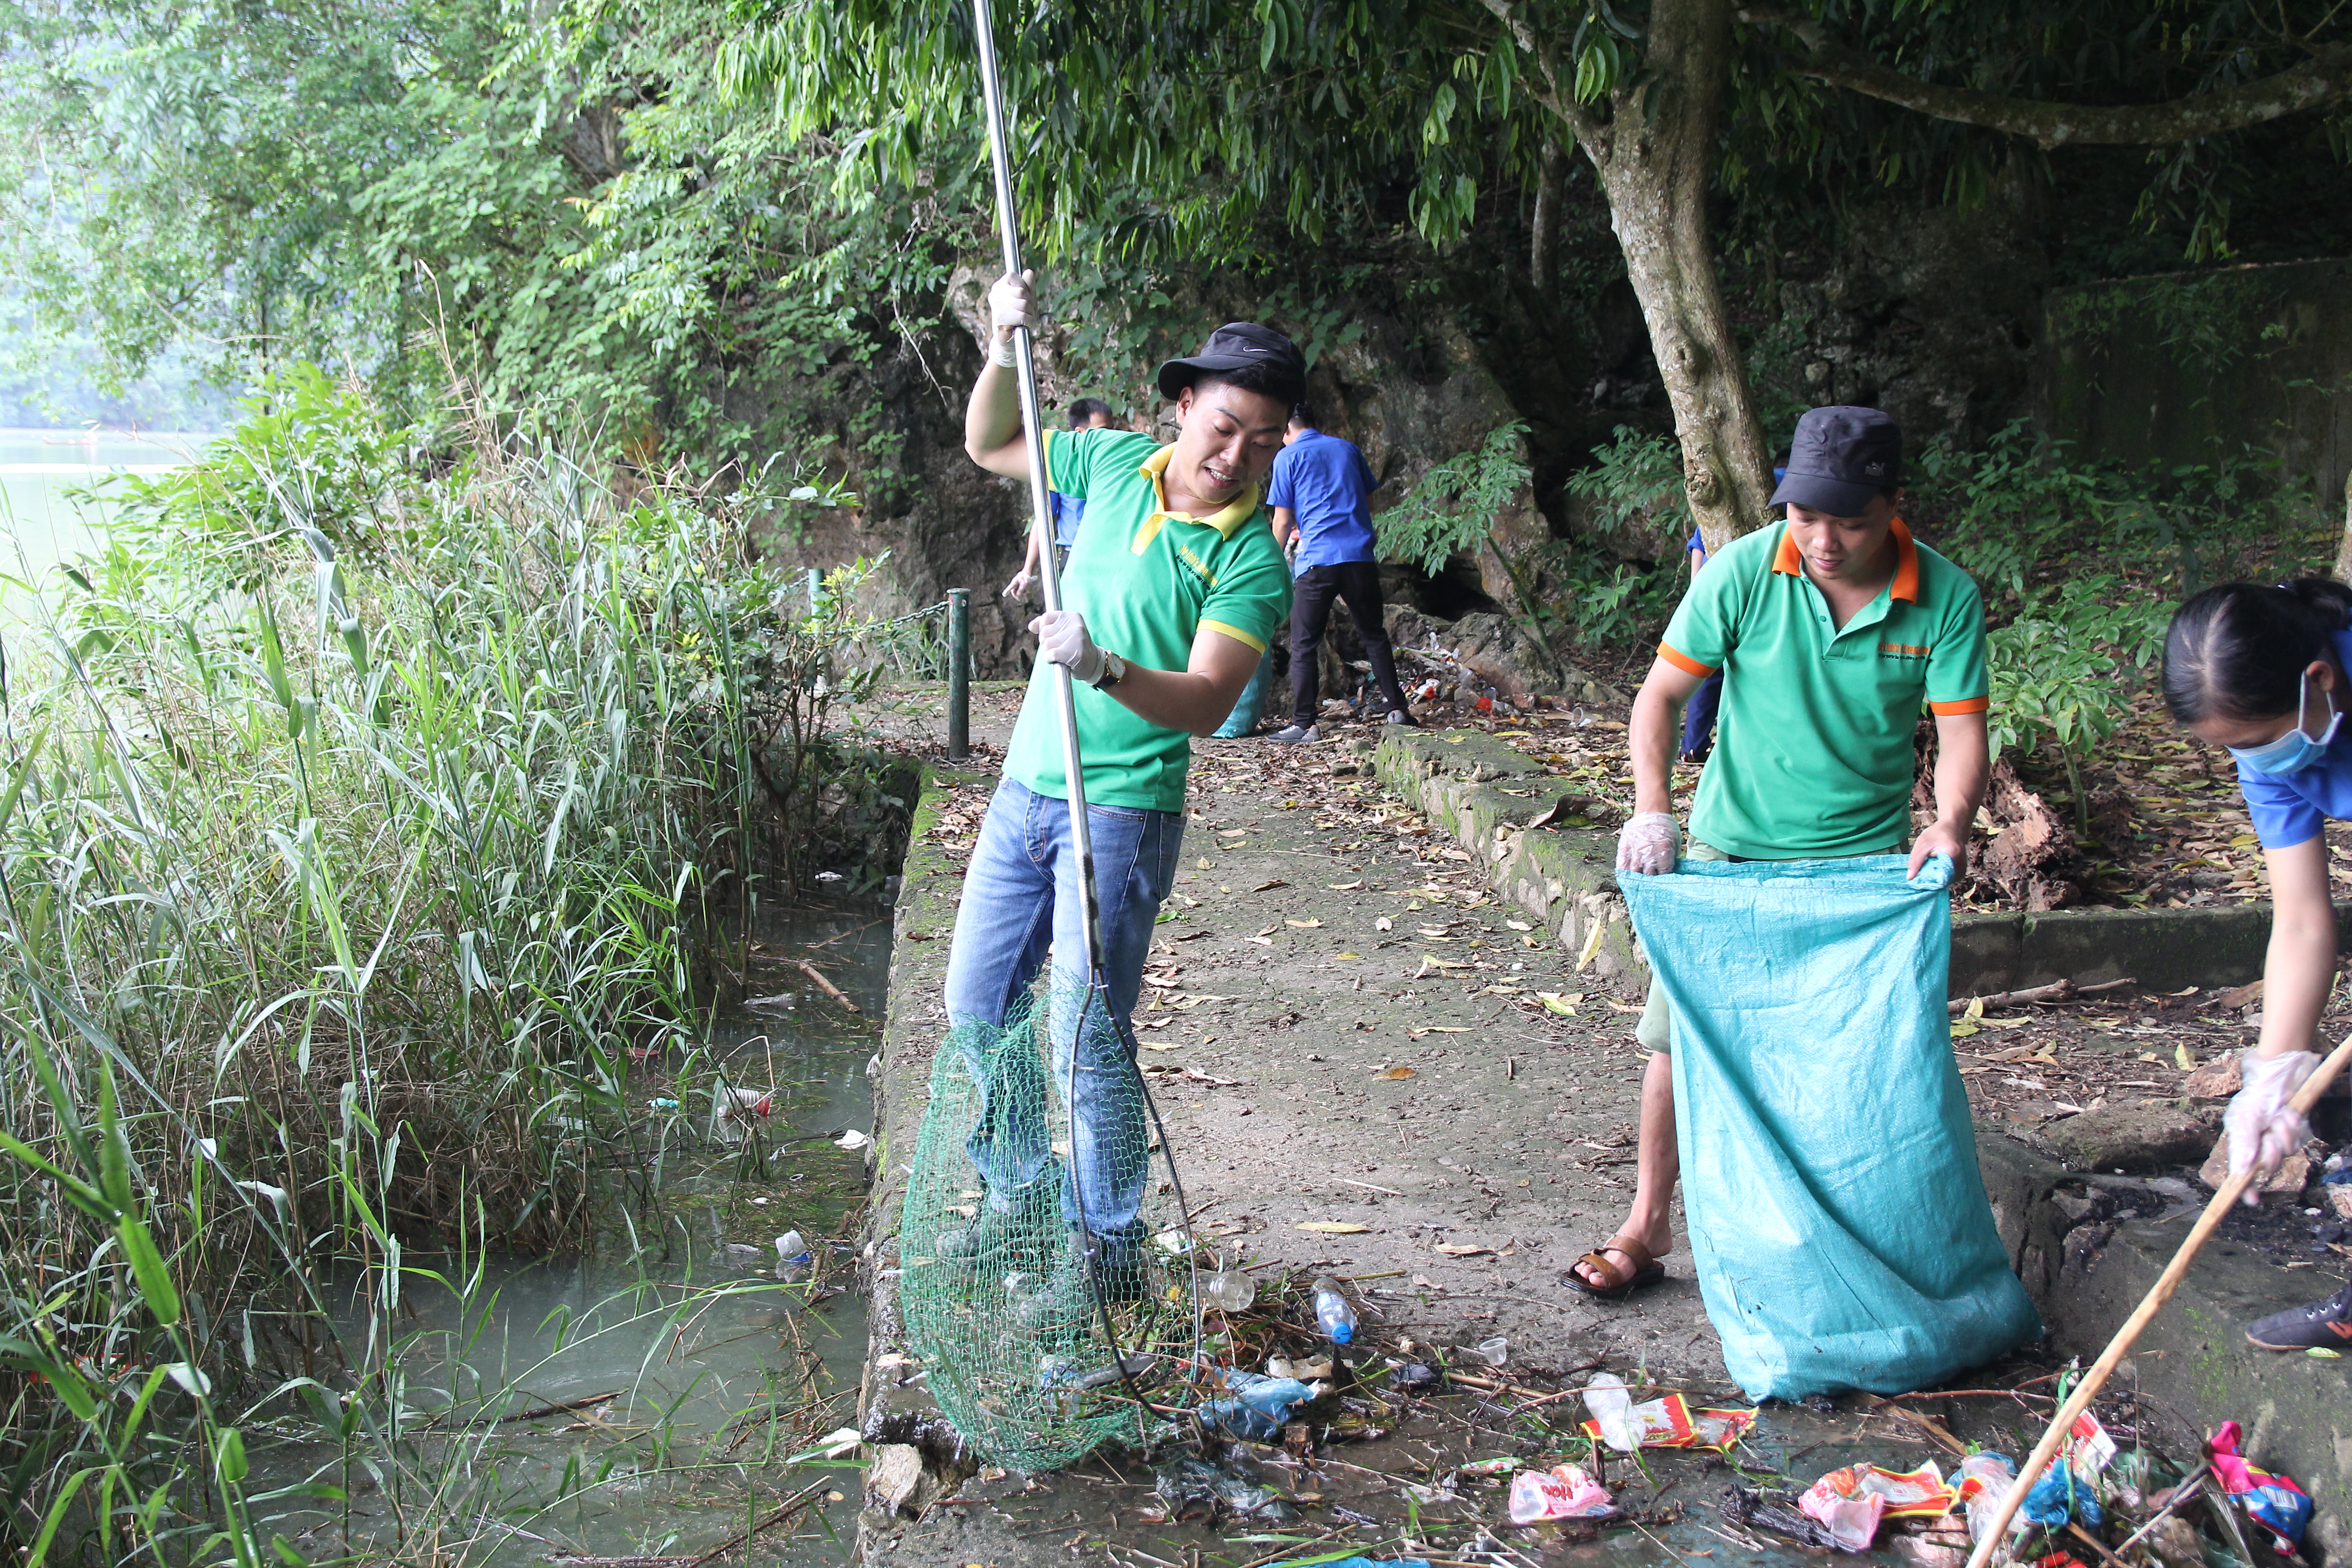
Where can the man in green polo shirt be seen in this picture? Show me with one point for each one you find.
(1170, 595)
(1831, 629)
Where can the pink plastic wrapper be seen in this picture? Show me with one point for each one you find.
(1564, 1491)
(1852, 1501)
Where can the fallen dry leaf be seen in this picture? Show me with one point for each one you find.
(1269, 887)
(1345, 957)
(1518, 925)
(1303, 925)
(1335, 1227)
(1564, 1004)
(1398, 1072)
(1452, 1250)
(1345, 887)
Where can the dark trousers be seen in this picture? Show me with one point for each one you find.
(1699, 718)
(1358, 583)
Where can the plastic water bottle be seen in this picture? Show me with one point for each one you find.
(1229, 1289)
(791, 1251)
(1332, 1313)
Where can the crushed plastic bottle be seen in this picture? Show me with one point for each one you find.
(662, 1104)
(1332, 1313)
(791, 1251)
(1229, 1289)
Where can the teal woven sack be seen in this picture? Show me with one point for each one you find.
(1251, 705)
(1837, 1217)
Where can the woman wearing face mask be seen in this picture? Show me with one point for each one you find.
(2261, 671)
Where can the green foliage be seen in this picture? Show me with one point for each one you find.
(1635, 486)
(358, 876)
(2080, 564)
(1451, 510)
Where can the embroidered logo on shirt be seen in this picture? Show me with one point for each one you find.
(1198, 566)
(1902, 650)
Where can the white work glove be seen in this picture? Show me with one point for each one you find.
(1649, 844)
(1012, 302)
(1023, 581)
(2263, 1129)
(1062, 639)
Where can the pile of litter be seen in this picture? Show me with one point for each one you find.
(1397, 1450)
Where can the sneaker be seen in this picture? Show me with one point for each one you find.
(2328, 1323)
(1295, 734)
(1399, 716)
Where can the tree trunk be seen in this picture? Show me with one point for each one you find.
(1656, 158)
(1551, 189)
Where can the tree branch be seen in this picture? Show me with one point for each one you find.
(1583, 123)
(2322, 80)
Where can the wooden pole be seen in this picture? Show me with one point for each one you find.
(2152, 1303)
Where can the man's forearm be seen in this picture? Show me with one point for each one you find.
(992, 418)
(1174, 699)
(1651, 740)
(1963, 770)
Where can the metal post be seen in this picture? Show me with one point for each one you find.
(959, 674)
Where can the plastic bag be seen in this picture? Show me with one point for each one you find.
(1982, 1482)
(1663, 1423)
(1564, 1491)
(1265, 1404)
(1251, 705)
(2272, 1501)
(1837, 1216)
(1852, 1501)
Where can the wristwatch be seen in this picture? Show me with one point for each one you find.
(1114, 670)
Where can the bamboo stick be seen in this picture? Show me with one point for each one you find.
(2152, 1303)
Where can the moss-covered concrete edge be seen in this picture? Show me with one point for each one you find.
(902, 1426)
(1479, 790)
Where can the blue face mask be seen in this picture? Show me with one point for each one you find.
(2295, 751)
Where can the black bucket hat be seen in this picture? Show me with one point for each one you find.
(1237, 345)
(1841, 457)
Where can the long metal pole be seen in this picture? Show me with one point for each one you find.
(1040, 513)
(2095, 1377)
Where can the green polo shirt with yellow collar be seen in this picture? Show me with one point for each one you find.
(1146, 579)
(1813, 756)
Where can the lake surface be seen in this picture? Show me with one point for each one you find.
(39, 471)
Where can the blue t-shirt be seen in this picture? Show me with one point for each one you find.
(2289, 808)
(1328, 486)
(1068, 512)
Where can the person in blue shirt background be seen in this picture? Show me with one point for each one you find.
(1698, 713)
(2261, 671)
(1321, 493)
(1085, 414)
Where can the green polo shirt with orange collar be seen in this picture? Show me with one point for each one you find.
(1812, 755)
(1147, 580)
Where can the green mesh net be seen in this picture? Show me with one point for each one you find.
(1047, 1283)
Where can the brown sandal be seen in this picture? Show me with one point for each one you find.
(1638, 1269)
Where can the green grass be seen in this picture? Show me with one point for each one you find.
(362, 808)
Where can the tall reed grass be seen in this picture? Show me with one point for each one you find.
(367, 809)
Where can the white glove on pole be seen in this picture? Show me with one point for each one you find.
(1012, 302)
(1062, 639)
(2262, 1130)
(1649, 844)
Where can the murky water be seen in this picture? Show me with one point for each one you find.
(646, 1400)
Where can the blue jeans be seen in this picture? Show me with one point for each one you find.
(1020, 895)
